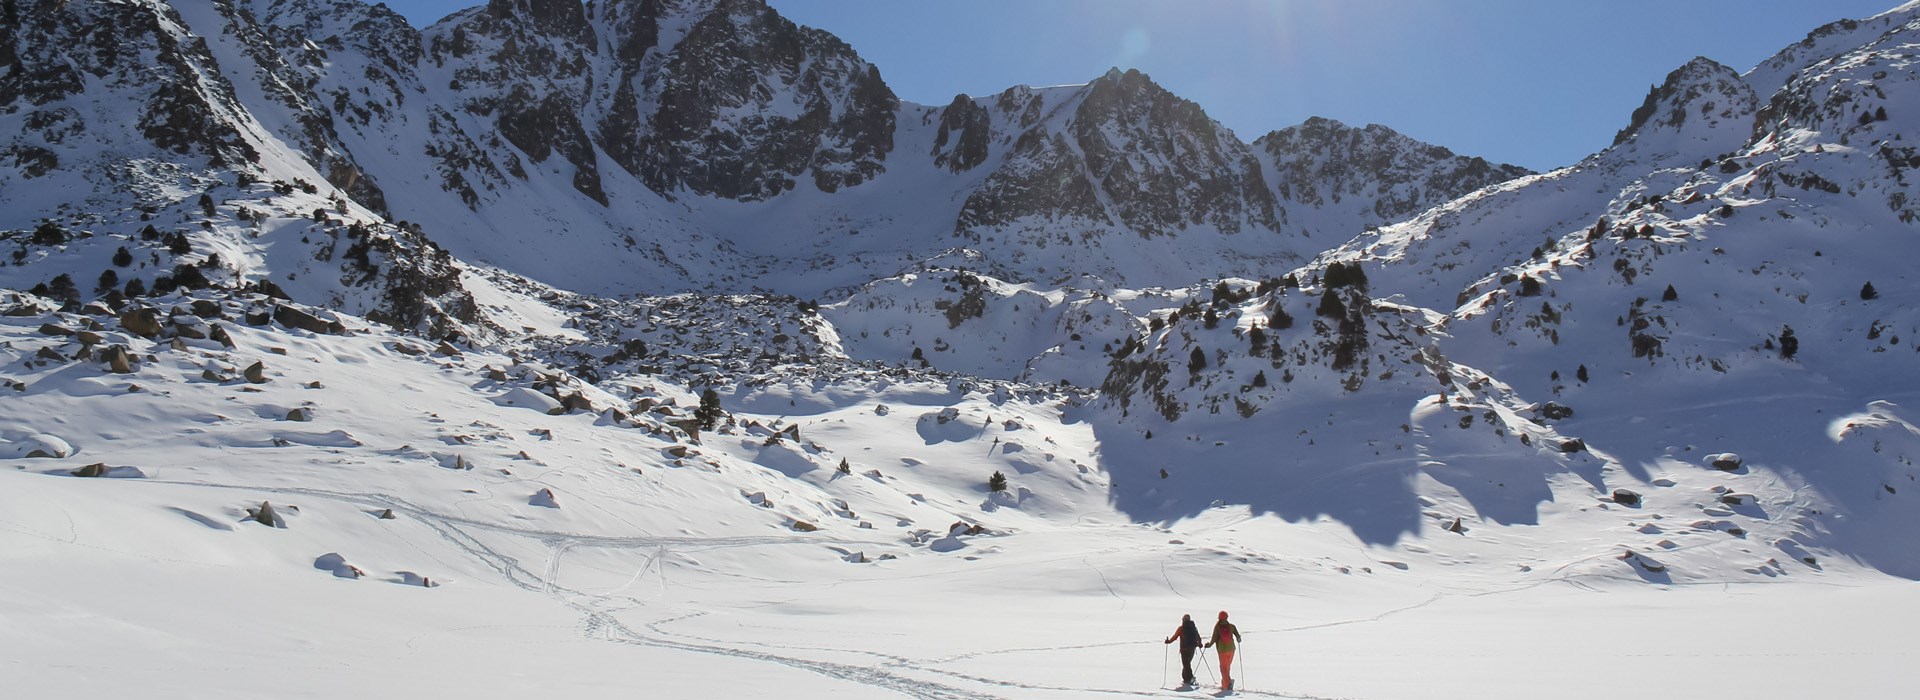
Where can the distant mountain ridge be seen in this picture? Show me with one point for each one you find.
(651, 131)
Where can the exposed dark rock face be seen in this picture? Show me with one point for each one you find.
(747, 102)
(50, 51)
(532, 76)
(1128, 155)
(1041, 177)
(549, 17)
(1702, 89)
(965, 128)
(1205, 174)
(1322, 162)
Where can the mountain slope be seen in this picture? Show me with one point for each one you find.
(617, 146)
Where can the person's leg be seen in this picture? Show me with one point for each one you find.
(1226, 669)
(1186, 664)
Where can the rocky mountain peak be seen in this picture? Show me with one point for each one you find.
(1380, 174)
(551, 17)
(965, 128)
(1164, 163)
(748, 102)
(1695, 99)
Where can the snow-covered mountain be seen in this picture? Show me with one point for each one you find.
(662, 332)
(616, 146)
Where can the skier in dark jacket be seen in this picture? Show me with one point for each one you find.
(1189, 636)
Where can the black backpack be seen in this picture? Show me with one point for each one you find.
(1189, 635)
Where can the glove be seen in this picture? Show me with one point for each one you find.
(1169, 640)
(1209, 645)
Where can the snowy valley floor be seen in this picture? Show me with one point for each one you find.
(103, 599)
(590, 554)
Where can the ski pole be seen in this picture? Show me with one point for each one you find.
(1208, 666)
(1166, 656)
(1241, 658)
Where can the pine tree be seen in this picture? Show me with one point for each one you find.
(177, 244)
(1279, 320)
(1257, 339)
(997, 482)
(709, 411)
(1197, 361)
(122, 258)
(1670, 294)
(49, 233)
(1868, 293)
(108, 281)
(189, 277)
(1581, 374)
(1212, 319)
(1260, 378)
(1789, 345)
(62, 287)
(1331, 306)
(135, 288)
(844, 467)
(206, 205)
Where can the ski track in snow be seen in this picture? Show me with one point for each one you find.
(599, 622)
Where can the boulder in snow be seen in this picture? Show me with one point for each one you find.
(143, 322)
(266, 515)
(333, 562)
(101, 470)
(42, 446)
(522, 397)
(296, 318)
(256, 373)
(1626, 498)
(544, 498)
(1643, 562)
(118, 360)
(1725, 461)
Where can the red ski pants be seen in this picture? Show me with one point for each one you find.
(1226, 668)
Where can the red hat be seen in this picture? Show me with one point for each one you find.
(1223, 614)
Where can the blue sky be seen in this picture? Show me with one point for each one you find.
(1540, 83)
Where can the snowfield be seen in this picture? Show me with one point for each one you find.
(736, 376)
(682, 576)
